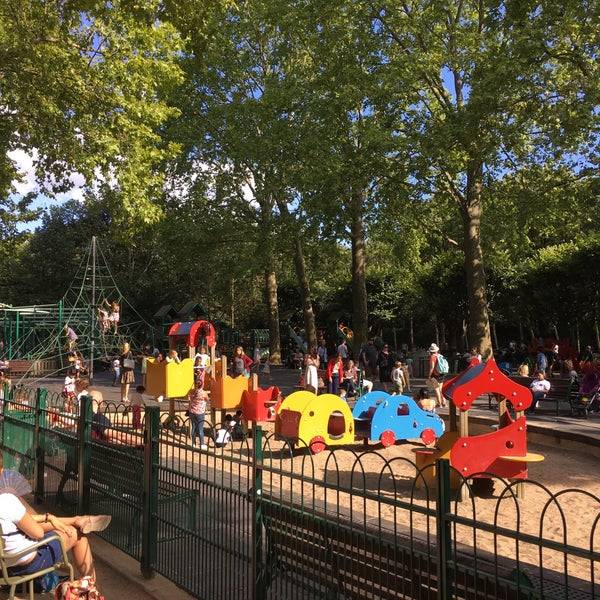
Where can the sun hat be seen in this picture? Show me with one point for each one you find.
(434, 348)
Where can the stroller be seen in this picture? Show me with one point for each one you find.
(587, 399)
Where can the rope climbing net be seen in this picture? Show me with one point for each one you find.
(89, 309)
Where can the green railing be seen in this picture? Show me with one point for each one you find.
(264, 520)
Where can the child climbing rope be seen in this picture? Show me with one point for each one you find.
(115, 314)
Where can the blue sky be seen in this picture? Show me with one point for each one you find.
(25, 164)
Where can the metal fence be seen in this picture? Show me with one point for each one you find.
(261, 519)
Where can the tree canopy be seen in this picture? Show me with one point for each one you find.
(426, 170)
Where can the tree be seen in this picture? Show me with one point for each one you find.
(502, 86)
(83, 86)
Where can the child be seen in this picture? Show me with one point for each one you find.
(398, 378)
(201, 364)
(523, 370)
(173, 357)
(71, 338)
(367, 386)
(424, 400)
(103, 320)
(78, 364)
(224, 433)
(136, 406)
(197, 409)
(266, 368)
(350, 379)
(237, 429)
(115, 314)
(68, 392)
(116, 367)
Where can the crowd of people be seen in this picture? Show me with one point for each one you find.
(332, 369)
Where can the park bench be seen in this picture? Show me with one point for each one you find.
(31, 368)
(559, 398)
(331, 558)
(18, 368)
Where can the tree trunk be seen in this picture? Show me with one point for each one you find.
(232, 295)
(301, 276)
(479, 323)
(411, 332)
(360, 317)
(305, 295)
(273, 317)
(271, 300)
(521, 332)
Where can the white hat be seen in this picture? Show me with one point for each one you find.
(434, 348)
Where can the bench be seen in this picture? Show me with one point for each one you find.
(323, 556)
(561, 394)
(18, 368)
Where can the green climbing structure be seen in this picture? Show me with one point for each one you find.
(37, 333)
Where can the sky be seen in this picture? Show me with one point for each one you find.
(24, 162)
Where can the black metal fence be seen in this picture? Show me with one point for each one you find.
(261, 519)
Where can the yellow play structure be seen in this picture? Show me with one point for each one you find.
(307, 420)
(226, 391)
(174, 380)
(169, 380)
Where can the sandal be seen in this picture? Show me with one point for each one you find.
(95, 523)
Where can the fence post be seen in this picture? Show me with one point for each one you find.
(84, 454)
(5, 399)
(258, 578)
(150, 497)
(39, 444)
(444, 531)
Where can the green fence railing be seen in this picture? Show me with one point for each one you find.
(261, 519)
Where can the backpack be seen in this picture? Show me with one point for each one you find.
(80, 588)
(442, 365)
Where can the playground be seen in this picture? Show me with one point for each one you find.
(380, 476)
(528, 504)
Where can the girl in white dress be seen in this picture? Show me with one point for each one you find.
(311, 375)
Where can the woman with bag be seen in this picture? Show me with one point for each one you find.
(127, 372)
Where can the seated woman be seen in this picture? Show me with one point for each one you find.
(21, 529)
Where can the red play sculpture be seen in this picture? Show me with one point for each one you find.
(260, 405)
(501, 453)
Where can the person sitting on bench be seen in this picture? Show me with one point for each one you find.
(540, 387)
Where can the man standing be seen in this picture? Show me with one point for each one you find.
(586, 355)
(342, 350)
(368, 359)
(322, 354)
(541, 361)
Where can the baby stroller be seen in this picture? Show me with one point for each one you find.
(587, 399)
